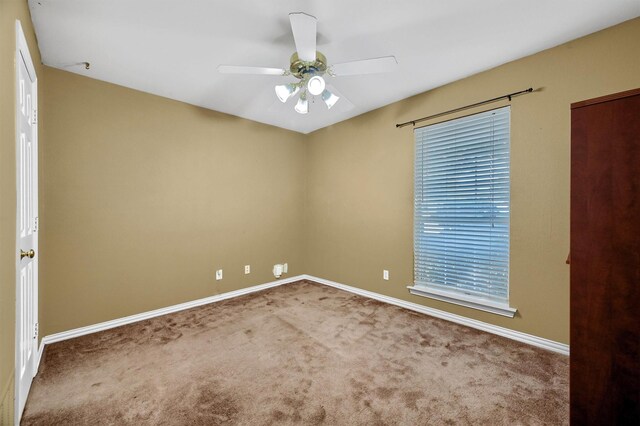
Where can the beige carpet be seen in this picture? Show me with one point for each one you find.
(301, 353)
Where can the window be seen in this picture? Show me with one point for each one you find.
(461, 212)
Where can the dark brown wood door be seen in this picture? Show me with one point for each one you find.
(605, 260)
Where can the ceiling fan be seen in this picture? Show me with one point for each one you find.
(309, 66)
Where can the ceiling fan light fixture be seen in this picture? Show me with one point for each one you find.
(308, 66)
(302, 107)
(316, 85)
(285, 91)
(329, 98)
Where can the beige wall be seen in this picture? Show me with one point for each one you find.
(10, 10)
(360, 194)
(146, 197)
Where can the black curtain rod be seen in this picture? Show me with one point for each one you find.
(488, 101)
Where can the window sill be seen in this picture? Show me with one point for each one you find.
(462, 300)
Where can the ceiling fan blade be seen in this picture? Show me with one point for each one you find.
(303, 27)
(365, 66)
(239, 69)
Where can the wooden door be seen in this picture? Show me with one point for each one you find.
(605, 260)
(26, 222)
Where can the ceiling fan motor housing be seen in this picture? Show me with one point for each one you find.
(302, 69)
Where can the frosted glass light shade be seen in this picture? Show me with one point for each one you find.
(302, 106)
(285, 91)
(316, 85)
(329, 98)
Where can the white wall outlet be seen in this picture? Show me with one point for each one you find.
(285, 268)
(385, 275)
(277, 270)
(219, 274)
(247, 269)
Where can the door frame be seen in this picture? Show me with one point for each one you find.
(23, 54)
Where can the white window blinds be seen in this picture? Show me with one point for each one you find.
(461, 224)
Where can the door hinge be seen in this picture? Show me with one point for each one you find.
(35, 330)
(35, 116)
(35, 224)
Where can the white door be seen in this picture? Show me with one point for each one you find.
(26, 222)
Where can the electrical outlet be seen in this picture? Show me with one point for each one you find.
(285, 268)
(277, 270)
(219, 274)
(247, 269)
(385, 275)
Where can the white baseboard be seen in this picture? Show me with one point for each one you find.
(490, 328)
(77, 332)
(540, 342)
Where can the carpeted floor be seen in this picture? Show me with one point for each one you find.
(301, 353)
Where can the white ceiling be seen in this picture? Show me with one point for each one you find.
(172, 48)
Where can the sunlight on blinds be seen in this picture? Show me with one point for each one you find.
(461, 223)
